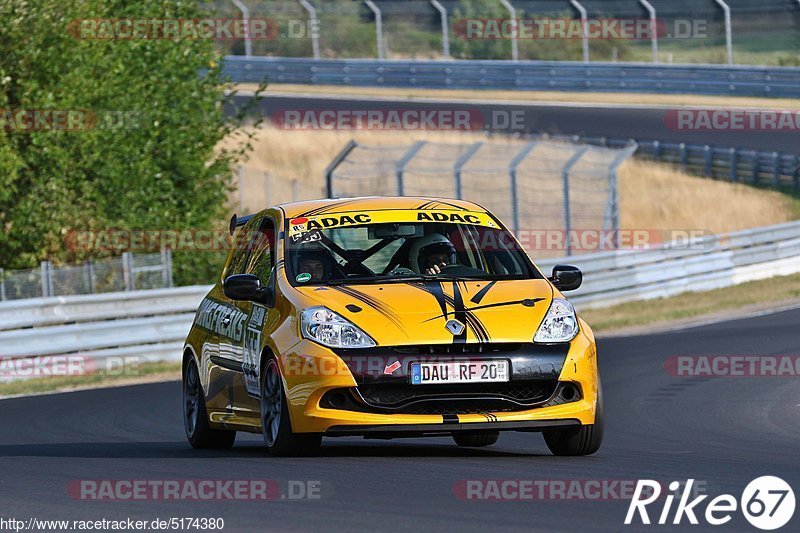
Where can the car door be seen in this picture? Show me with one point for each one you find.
(224, 323)
(260, 262)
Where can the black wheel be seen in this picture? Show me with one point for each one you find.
(584, 440)
(477, 439)
(275, 424)
(195, 416)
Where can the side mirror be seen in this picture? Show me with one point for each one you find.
(566, 277)
(245, 287)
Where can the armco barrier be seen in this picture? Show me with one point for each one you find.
(709, 263)
(782, 82)
(152, 324)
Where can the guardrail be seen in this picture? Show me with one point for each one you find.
(706, 263)
(783, 82)
(771, 169)
(152, 325)
(148, 325)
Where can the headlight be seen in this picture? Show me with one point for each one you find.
(322, 325)
(559, 325)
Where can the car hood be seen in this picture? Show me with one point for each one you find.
(418, 312)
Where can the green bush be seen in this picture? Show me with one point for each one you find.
(159, 169)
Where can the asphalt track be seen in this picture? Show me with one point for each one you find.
(723, 431)
(593, 120)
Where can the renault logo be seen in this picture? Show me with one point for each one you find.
(455, 327)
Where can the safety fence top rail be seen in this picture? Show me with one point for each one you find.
(524, 75)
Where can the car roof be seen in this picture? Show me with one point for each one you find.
(370, 203)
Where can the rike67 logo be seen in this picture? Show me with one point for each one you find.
(767, 503)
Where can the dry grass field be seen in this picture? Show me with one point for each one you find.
(289, 165)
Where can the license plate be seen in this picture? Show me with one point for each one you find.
(459, 372)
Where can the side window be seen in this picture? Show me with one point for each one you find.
(238, 252)
(262, 257)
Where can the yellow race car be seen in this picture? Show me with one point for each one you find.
(388, 317)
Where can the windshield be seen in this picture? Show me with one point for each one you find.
(378, 247)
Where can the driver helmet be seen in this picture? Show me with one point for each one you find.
(314, 253)
(424, 247)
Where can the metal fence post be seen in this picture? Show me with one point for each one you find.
(90, 276)
(565, 178)
(248, 43)
(314, 23)
(378, 28)
(460, 162)
(728, 35)
(684, 156)
(613, 191)
(709, 155)
(341, 156)
(127, 271)
(776, 169)
(584, 37)
(734, 164)
(403, 161)
(756, 167)
(653, 27)
(796, 174)
(47, 279)
(2, 285)
(445, 31)
(166, 267)
(515, 39)
(512, 174)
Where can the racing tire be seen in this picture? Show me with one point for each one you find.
(195, 416)
(476, 440)
(275, 424)
(584, 440)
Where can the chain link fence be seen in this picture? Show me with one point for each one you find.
(533, 186)
(125, 273)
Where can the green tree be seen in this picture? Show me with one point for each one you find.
(151, 159)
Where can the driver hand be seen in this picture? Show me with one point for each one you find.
(436, 269)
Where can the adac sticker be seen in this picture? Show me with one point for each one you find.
(302, 278)
(300, 226)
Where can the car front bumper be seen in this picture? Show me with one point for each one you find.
(310, 371)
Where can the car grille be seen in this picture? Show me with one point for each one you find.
(396, 395)
(402, 398)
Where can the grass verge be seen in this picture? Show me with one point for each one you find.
(761, 294)
(534, 96)
(143, 373)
